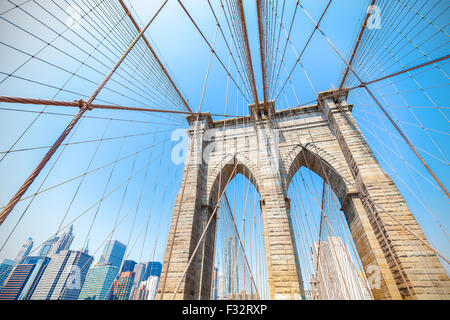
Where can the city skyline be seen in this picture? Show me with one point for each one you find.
(60, 273)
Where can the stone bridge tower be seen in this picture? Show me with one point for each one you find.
(268, 149)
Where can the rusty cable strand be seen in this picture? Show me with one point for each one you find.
(90, 106)
(355, 48)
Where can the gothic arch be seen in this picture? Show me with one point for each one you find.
(222, 173)
(331, 168)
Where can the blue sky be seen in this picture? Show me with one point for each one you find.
(186, 57)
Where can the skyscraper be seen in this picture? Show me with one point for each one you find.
(98, 283)
(128, 265)
(152, 287)
(113, 253)
(5, 269)
(139, 269)
(16, 281)
(337, 277)
(63, 243)
(40, 263)
(64, 276)
(122, 286)
(153, 269)
(47, 246)
(215, 283)
(230, 276)
(24, 250)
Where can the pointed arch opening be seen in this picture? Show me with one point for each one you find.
(329, 262)
(240, 265)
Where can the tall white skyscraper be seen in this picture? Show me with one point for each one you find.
(113, 253)
(24, 250)
(63, 243)
(139, 270)
(337, 277)
(152, 287)
(47, 246)
(64, 276)
(230, 276)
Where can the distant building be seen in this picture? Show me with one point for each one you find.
(243, 295)
(139, 270)
(337, 278)
(152, 287)
(128, 265)
(113, 253)
(230, 276)
(98, 283)
(139, 293)
(24, 250)
(122, 286)
(16, 282)
(147, 289)
(153, 269)
(5, 269)
(40, 264)
(63, 243)
(24, 278)
(64, 276)
(215, 283)
(47, 246)
(220, 286)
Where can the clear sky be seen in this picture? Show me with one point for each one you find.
(186, 57)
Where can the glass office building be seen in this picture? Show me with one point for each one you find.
(113, 253)
(98, 283)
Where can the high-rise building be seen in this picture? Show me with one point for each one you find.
(140, 292)
(5, 269)
(153, 269)
(147, 289)
(220, 286)
(152, 287)
(64, 276)
(337, 277)
(98, 283)
(16, 281)
(24, 250)
(128, 265)
(113, 253)
(122, 286)
(24, 278)
(139, 270)
(215, 283)
(63, 243)
(39, 263)
(230, 276)
(47, 246)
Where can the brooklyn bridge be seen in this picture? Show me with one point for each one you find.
(224, 150)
